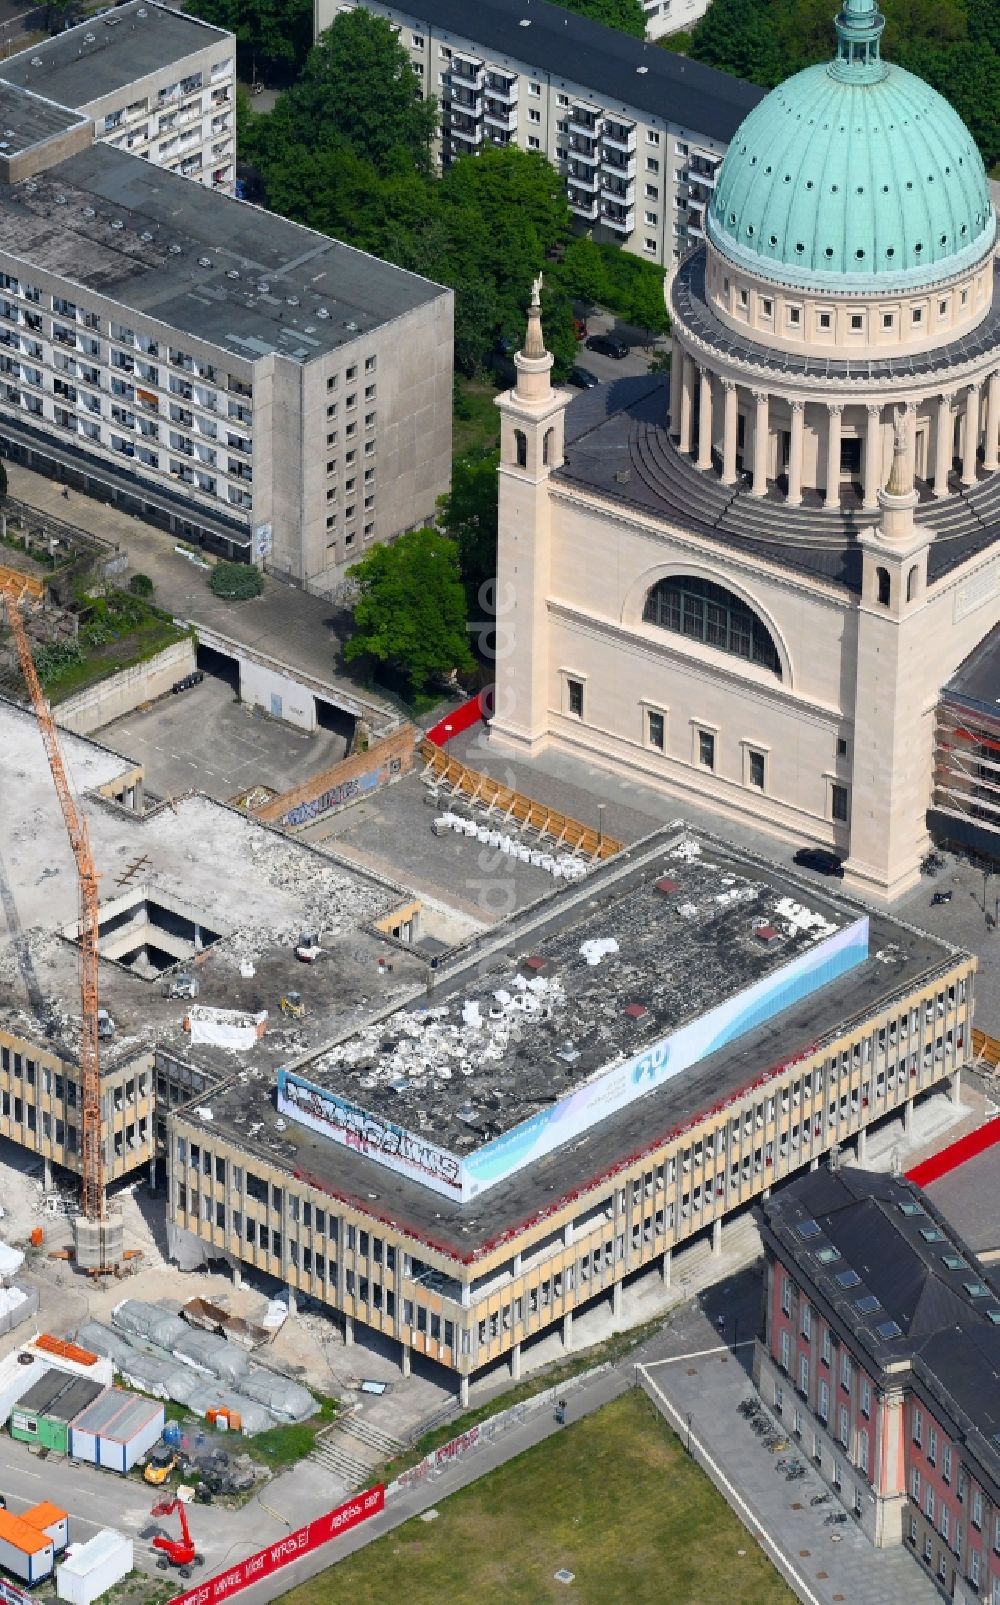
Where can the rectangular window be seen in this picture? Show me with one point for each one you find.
(932, 1444)
(845, 1372)
(574, 698)
(838, 803)
(823, 1401)
(786, 1345)
(534, 143)
(866, 1397)
(706, 749)
(803, 1373)
(786, 1295)
(757, 773)
(807, 1321)
(534, 115)
(655, 730)
(946, 1464)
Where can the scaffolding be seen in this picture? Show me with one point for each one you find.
(967, 774)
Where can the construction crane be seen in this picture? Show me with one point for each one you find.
(91, 1143)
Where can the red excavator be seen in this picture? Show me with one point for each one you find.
(179, 1552)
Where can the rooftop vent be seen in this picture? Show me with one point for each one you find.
(9, 133)
(145, 235)
(766, 933)
(666, 885)
(142, 12)
(4, 144)
(204, 261)
(36, 61)
(111, 22)
(636, 1011)
(118, 224)
(89, 38)
(322, 312)
(88, 211)
(525, 22)
(623, 475)
(642, 69)
(30, 184)
(350, 324)
(292, 300)
(263, 286)
(175, 250)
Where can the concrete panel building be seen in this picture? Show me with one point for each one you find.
(558, 1108)
(149, 80)
(247, 384)
(637, 133)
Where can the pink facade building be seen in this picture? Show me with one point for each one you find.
(881, 1356)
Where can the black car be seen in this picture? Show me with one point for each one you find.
(607, 345)
(819, 859)
(583, 379)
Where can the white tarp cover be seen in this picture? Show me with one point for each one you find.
(226, 1028)
(288, 1400)
(11, 1260)
(215, 1396)
(208, 1352)
(102, 1340)
(136, 1318)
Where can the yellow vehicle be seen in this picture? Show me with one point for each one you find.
(292, 1004)
(160, 1462)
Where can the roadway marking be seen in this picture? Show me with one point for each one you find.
(698, 1354)
(781, 1560)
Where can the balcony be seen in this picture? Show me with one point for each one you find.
(500, 116)
(583, 178)
(584, 205)
(466, 70)
(617, 195)
(619, 218)
(585, 120)
(585, 150)
(622, 167)
(620, 136)
(502, 88)
(704, 169)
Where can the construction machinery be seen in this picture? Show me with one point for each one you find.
(292, 1004)
(177, 1552)
(98, 1241)
(160, 1462)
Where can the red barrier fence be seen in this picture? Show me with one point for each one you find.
(470, 713)
(292, 1547)
(967, 1147)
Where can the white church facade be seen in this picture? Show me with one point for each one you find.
(711, 587)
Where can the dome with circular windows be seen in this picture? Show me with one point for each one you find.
(853, 174)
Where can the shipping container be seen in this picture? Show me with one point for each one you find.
(94, 1567)
(116, 1430)
(43, 1414)
(49, 1520)
(24, 1551)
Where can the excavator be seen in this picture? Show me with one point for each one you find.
(178, 1552)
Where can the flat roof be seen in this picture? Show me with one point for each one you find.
(59, 1395)
(118, 1415)
(106, 53)
(899, 957)
(202, 263)
(902, 1281)
(258, 890)
(632, 72)
(28, 119)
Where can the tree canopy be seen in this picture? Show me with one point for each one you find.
(953, 44)
(625, 15)
(411, 609)
(469, 516)
(272, 32)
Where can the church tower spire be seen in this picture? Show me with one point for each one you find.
(533, 362)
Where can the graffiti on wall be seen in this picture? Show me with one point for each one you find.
(339, 796)
(368, 1134)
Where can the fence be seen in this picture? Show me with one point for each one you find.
(488, 1431)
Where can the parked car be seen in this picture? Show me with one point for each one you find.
(939, 898)
(607, 345)
(583, 379)
(819, 859)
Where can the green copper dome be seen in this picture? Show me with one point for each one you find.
(853, 175)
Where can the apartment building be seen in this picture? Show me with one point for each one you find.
(880, 1354)
(248, 384)
(151, 81)
(611, 1078)
(672, 16)
(637, 132)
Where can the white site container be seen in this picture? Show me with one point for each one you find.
(94, 1567)
(24, 1553)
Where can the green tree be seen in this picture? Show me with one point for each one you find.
(141, 585)
(411, 611)
(469, 517)
(358, 85)
(625, 15)
(236, 582)
(272, 32)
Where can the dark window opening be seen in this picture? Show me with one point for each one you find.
(707, 612)
(882, 579)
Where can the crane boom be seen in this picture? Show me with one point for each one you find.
(91, 1136)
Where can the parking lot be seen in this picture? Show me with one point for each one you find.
(206, 740)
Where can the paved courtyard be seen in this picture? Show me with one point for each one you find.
(205, 740)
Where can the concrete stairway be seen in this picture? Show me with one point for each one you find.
(352, 1448)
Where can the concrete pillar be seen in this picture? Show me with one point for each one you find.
(760, 443)
(873, 456)
(832, 482)
(971, 435)
(463, 1393)
(676, 379)
(152, 1173)
(47, 1175)
(616, 1299)
(705, 419)
(404, 1359)
(717, 1237)
(729, 421)
(517, 1264)
(908, 1117)
(515, 1363)
(862, 1145)
(348, 1331)
(991, 454)
(944, 442)
(910, 422)
(568, 1234)
(814, 1162)
(292, 1306)
(687, 404)
(956, 1087)
(668, 1255)
(567, 1333)
(795, 454)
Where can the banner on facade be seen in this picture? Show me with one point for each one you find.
(281, 1553)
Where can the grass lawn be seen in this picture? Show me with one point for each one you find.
(613, 1498)
(134, 647)
(481, 429)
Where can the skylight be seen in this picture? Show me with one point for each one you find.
(910, 1208)
(993, 1314)
(808, 1228)
(827, 1254)
(930, 1234)
(954, 1262)
(976, 1289)
(867, 1305)
(888, 1329)
(848, 1278)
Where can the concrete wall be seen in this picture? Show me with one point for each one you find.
(278, 694)
(343, 783)
(112, 698)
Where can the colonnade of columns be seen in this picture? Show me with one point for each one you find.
(694, 396)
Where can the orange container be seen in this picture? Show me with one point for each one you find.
(235, 1421)
(37, 1237)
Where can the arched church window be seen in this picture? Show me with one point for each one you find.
(521, 448)
(548, 442)
(883, 586)
(707, 612)
(912, 581)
